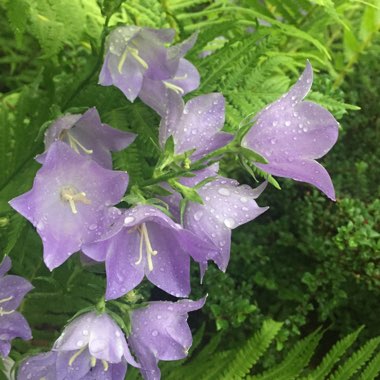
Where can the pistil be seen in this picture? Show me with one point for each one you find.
(70, 195)
(135, 54)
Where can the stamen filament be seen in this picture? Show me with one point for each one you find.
(105, 365)
(3, 312)
(93, 361)
(144, 238)
(135, 54)
(6, 299)
(178, 90)
(74, 143)
(180, 78)
(72, 359)
(122, 60)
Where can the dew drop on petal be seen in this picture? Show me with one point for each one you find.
(224, 191)
(154, 333)
(129, 220)
(229, 222)
(243, 200)
(198, 215)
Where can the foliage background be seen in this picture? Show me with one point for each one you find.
(308, 262)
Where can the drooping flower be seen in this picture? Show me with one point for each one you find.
(196, 125)
(291, 134)
(71, 202)
(226, 206)
(92, 347)
(146, 242)
(87, 135)
(135, 53)
(12, 324)
(160, 332)
(154, 93)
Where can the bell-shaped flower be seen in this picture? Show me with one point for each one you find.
(12, 324)
(196, 125)
(291, 133)
(92, 346)
(134, 53)
(146, 242)
(160, 332)
(226, 205)
(154, 93)
(87, 135)
(71, 202)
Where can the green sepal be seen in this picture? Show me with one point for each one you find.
(188, 193)
(252, 155)
(167, 156)
(158, 190)
(109, 7)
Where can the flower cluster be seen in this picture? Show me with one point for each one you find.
(12, 291)
(75, 202)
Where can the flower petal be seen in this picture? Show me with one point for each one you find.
(5, 265)
(15, 287)
(39, 367)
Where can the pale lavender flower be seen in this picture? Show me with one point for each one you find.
(146, 242)
(87, 135)
(291, 133)
(160, 332)
(71, 202)
(12, 324)
(154, 93)
(92, 346)
(135, 53)
(226, 206)
(196, 125)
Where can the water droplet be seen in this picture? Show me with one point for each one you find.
(224, 191)
(198, 215)
(229, 222)
(85, 332)
(129, 220)
(243, 200)
(92, 227)
(80, 343)
(274, 123)
(154, 333)
(287, 123)
(159, 316)
(117, 333)
(273, 141)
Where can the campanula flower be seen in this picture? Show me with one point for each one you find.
(146, 242)
(292, 133)
(160, 332)
(226, 205)
(71, 202)
(87, 135)
(196, 125)
(134, 53)
(12, 291)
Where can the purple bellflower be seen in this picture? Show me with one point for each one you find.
(12, 324)
(135, 53)
(291, 133)
(92, 347)
(71, 202)
(146, 242)
(196, 125)
(160, 332)
(87, 135)
(226, 206)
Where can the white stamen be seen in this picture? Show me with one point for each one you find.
(93, 361)
(72, 359)
(74, 143)
(105, 365)
(6, 299)
(178, 90)
(135, 54)
(3, 312)
(144, 238)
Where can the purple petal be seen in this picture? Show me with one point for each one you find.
(70, 365)
(39, 367)
(106, 339)
(5, 348)
(123, 274)
(171, 265)
(15, 287)
(77, 334)
(309, 171)
(14, 325)
(5, 265)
